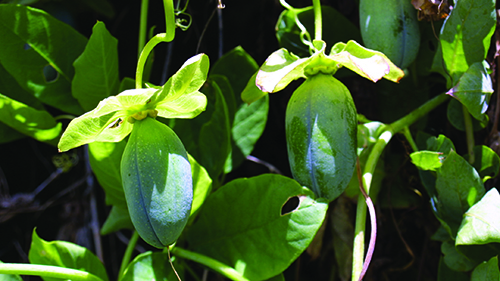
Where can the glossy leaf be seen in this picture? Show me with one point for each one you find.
(150, 266)
(40, 53)
(202, 185)
(486, 271)
(10, 88)
(241, 225)
(105, 160)
(455, 114)
(458, 186)
(481, 224)
(465, 38)
(367, 63)
(251, 92)
(96, 69)
(473, 90)
(65, 254)
(38, 124)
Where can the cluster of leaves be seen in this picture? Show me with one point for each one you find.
(48, 67)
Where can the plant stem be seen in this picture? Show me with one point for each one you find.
(369, 169)
(469, 134)
(47, 271)
(409, 138)
(169, 19)
(162, 37)
(217, 266)
(143, 23)
(128, 253)
(318, 21)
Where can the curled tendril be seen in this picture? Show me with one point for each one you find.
(180, 21)
(305, 37)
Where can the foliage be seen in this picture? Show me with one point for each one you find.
(172, 155)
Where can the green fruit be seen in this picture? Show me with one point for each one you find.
(321, 124)
(390, 26)
(157, 182)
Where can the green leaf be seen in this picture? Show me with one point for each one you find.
(446, 274)
(65, 254)
(104, 158)
(288, 33)
(187, 106)
(481, 224)
(150, 266)
(458, 186)
(249, 124)
(186, 81)
(103, 7)
(367, 63)
(279, 277)
(455, 114)
(454, 259)
(202, 185)
(279, 69)
(440, 144)
(108, 121)
(473, 90)
(118, 218)
(242, 225)
(10, 277)
(227, 92)
(238, 66)
(96, 69)
(465, 38)
(486, 271)
(8, 134)
(38, 124)
(40, 53)
(427, 160)
(10, 88)
(486, 162)
(251, 92)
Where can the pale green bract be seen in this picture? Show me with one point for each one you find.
(178, 98)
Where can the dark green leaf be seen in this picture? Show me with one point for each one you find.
(38, 124)
(278, 277)
(40, 54)
(465, 38)
(8, 134)
(96, 70)
(486, 162)
(454, 259)
(10, 88)
(118, 218)
(473, 90)
(242, 225)
(238, 66)
(105, 160)
(65, 254)
(486, 271)
(440, 144)
(446, 274)
(103, 7)
(455, 114)
(150, 266)
(458, 187)
(251, 92)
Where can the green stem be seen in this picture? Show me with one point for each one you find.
(47, 271)
(128, 253)
(318, 21)
(369, 169)
(143, 23)
(169, 19)
(469, 133)
(409, 138)
(162, 37)
(217, 266)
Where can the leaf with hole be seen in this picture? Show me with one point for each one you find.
(241, 225)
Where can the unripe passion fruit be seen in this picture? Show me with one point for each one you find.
(157, 182)
(321, 135)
